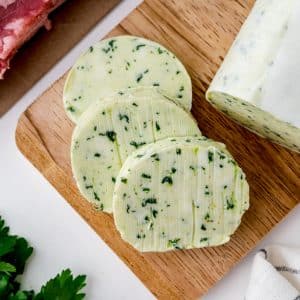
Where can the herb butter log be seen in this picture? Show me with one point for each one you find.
(112, 129)
(179, 193)
(124, 62)
(258, 84)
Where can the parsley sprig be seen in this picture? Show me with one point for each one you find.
(14, 252)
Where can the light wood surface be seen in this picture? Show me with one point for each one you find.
(199, 32)
(45, 48)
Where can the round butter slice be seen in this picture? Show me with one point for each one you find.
(110, 130)
(179, 193)
(124, 62)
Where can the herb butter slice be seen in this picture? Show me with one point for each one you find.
(179, 193)
(124, 62)
(258, 83)
(111, 129)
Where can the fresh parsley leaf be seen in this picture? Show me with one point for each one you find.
(14, 252)
(7, 268)
(63, 287)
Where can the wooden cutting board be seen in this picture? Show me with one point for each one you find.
(200, 33)
(44, 50)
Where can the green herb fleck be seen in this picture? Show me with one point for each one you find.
(148, 201)
(154, 213)
(113, 179)
(137, 145)
(157, 126)
(229, 204)
(139, 77)
(203, 227)
(139, 46)
(167, 179)
(71, 109)
(124, 180)
(111, 135)
(124, 117)
(205, 239)
(210, 156)
(178, 151)
(146, 176)
(174, 243)
(96, 196)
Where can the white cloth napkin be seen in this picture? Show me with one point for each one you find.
(275, 275)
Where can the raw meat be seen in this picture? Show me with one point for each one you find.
(19, 20)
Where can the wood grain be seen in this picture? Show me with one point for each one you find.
(200, 33)
(37, 56)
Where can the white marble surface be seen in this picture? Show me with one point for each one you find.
(61, 239)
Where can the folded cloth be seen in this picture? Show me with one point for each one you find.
(275, 275)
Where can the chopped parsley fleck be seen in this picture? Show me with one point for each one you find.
(113, 179)
(96, 196)
(84, 178)
(95, 128)
(140, 236)
(127, 208)
(146, 71)
(173, 170)
(91, 49)
(156, 84)
(177, 72)
(134, 104)
(139, 46)
(159, 50)
(154, 213)
(203, 227)
(88, 187)
(157, 126)
(174, 243)
(207, 218)
(148, 201)
(210, 156)
(71, 109)
(124, 180)
(146, 176)
(124, 117)
(229, 204)
(139, 77)
(105, 50)
(111, 43)
(181, 88)
(97, 154)
(111, 135)
(205, 239)
(146, 190)
(155, 156)
(137, 145)
(178, 151)
(167, 179)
